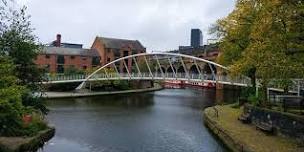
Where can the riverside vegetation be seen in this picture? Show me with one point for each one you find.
(21, 113)
(264, 41)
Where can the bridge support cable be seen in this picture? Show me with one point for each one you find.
(185, 68)
(159, 66)
(198, 70)
(117, 72)
(137, 67)
(156, 72)
(126, 67)
(213, 73)
(172, 67)
(150, 72)
(107, 75)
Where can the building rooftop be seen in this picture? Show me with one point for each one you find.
(71, 45)
(69, 51)
(196, 51)
(114, 43)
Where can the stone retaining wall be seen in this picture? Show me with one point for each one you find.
(285, 124)
(22, 144)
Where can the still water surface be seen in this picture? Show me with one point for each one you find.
(169, 120)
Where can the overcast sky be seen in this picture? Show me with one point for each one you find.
(159, 24)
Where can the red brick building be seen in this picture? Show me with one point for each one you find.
(111, 49)
(57, 57)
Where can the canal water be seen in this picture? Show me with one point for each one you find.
(169, 120)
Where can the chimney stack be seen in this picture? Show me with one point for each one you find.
(58, 40)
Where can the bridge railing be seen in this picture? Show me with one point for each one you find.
(152, 76)
(296, 86)
(63, 77)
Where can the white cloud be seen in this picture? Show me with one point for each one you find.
(158, 24)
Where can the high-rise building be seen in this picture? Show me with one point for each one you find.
(196, 38)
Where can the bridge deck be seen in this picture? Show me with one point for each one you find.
(236, 83)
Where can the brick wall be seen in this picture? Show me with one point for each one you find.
(108, 53)
(76, 61)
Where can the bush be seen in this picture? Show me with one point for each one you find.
(254, 100)
(37, 103)
(34, 127)
(247, 92)
(11, 106)
(11, 123)
(10, 120)
(123, 85)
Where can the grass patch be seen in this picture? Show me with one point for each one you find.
(247, 134)
(235, 105)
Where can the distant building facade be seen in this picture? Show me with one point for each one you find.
(196, 48)
(208, 52)
(58, 57)
(111, 49)
(196, 38)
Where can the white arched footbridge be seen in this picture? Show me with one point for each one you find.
(158, 66)
(164, 66)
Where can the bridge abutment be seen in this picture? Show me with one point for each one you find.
(219, 86)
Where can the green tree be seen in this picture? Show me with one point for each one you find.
(18, 42)
(234, 31)
(263, 40)
(11, 108)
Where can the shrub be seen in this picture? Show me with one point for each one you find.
(254, 100)
(10, 120)
(34, 127)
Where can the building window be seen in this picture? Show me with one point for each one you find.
(96, 60)
(72, 57)
(47, 56)
(109, 60)
(60, 59)
(60, 69)
(116, 53)
(109, 50)
(84, 58)
(84, 67)
(125, 53)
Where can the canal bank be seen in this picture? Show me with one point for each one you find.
(55, 95)
(21, 144)
(223, 122)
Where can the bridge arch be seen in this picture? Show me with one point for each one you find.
(154, 56)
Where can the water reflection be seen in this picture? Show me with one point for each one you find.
(125, 101)
(167, 120)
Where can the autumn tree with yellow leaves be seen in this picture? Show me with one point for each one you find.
(263, 40)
